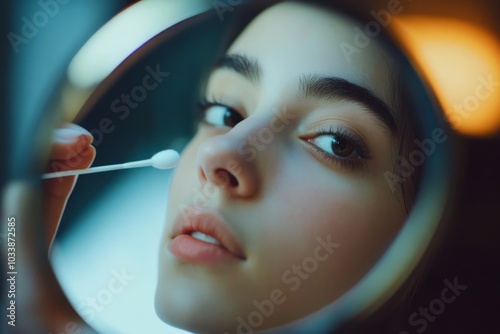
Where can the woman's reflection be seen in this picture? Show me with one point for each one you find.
(281, 201)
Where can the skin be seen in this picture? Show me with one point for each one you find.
(71, 149)
(289, 194)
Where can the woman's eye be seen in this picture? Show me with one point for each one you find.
(340, 148)
(336, 145)
(220, 115)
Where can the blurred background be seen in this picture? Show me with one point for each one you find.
(456, 44)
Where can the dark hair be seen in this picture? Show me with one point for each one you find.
(408, 132)
(407, 125)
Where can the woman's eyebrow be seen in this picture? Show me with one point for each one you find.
(317, 87)
(334, 88)
(244, 65)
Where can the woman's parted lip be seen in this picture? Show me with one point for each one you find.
(208, 222)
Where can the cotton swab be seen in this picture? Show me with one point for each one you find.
(162, 160)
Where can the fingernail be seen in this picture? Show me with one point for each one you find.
(70, 134)
(77, 128)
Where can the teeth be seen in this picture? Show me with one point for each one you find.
(204, 237)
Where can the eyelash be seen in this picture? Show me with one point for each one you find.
(360, 147)
(344, 163)
(204, 104)
(201, 108)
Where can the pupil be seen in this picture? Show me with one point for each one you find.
(231, 118)
(341, 147)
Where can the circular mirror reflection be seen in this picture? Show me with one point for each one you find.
(311, 178)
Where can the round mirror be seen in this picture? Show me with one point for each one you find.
(312, 176)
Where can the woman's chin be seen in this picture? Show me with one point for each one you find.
(189, 313)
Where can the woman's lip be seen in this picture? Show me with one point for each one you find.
(189, 249)
(208, 222)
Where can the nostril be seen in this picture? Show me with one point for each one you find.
(202, 175)
(225, 178)
(233, 181)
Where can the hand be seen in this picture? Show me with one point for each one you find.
(71, 150)
(38, 295)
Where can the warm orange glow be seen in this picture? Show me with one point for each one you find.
(462, 63)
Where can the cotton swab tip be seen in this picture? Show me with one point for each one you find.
(165, 159)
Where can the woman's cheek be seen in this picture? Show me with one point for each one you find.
(350, 219)
(184, 181)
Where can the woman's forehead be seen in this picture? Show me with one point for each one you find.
(290, 40)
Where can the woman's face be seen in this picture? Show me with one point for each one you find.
(286, 173)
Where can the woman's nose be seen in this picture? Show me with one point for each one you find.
(221, 163)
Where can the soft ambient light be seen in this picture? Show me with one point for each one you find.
(461, 62)
(124, 34)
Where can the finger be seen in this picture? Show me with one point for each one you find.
(57, 191)
(69, 141)
(61, 186)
